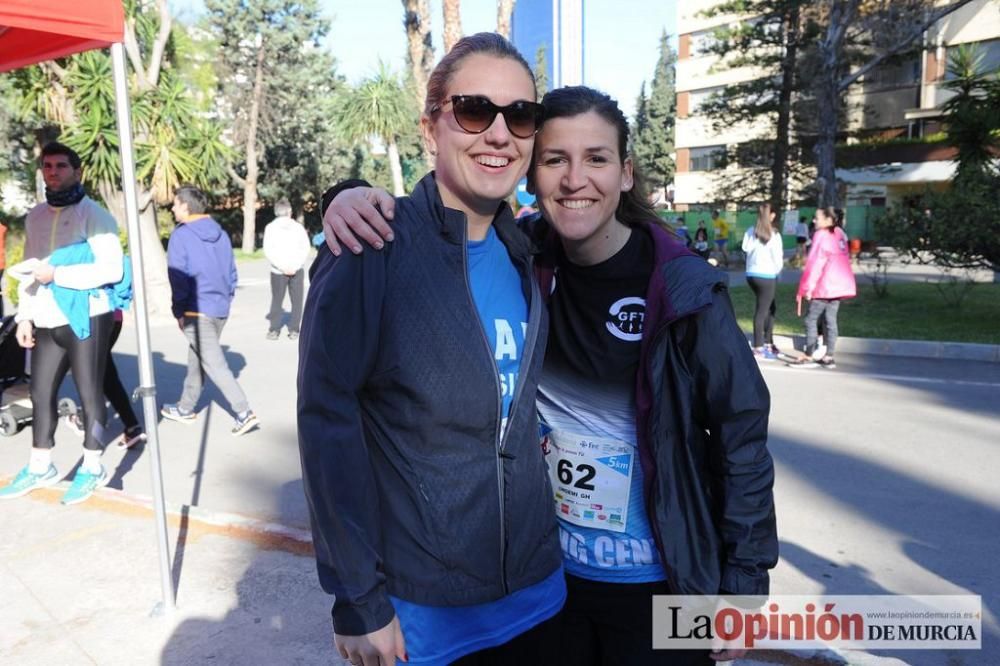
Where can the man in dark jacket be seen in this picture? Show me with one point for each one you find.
(203, 278)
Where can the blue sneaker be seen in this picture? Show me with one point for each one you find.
(25, 482)
(764, 354)
(175, 413)
(83, 486)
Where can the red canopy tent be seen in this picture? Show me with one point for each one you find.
(33, 31)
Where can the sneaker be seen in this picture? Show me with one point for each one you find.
(828, 363)
(245, 423)
(764, 354)
(75, 423)
(131, 437)
(819, 352)
(83, 486)
(293, 335)
(25, 482)
(272, 335)
(175, 413)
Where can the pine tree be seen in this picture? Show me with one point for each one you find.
(653, 142)
(773, 43)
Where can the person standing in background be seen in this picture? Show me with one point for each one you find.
(765, 259)
(286, 246)
(826, 280)
(3, 258)
(65, 317)
(202, 272)
(721, 229)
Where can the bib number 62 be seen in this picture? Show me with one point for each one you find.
(578, 477)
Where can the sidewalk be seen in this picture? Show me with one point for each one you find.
(81, 585)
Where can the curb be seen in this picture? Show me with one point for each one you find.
(191, 521)
(955, 351)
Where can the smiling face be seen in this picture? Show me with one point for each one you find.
(578, 179)
(474, 172)
(58, 173)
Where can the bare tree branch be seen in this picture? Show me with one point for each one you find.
(54, 70)
(237, 178)
(156, 55)
(901, 45)
(134, 56)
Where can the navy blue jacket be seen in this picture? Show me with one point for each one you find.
(201, 269)
(411, 490)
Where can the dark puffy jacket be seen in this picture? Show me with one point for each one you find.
(410, 489)
(702, 411)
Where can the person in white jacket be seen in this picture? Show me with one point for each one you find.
(286, 246)
(66, 332)
(765, 259)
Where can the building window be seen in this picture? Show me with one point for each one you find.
(894, 75)
(988, 54)
(708, 158)
(699, 97)
(702, 41)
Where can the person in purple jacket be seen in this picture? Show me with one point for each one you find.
(202, 272)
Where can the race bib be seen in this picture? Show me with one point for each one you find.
(591, 479)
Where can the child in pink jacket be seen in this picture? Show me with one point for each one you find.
(826, 279)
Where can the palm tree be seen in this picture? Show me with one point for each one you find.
(173, 144)
(379, 107)
(420, 49)
(452, 10)
(973, 114)
(505, 9)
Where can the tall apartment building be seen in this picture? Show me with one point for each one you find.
(558, 26)
(901, 101)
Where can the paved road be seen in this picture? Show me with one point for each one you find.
(886, 467)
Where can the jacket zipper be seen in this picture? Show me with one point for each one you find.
(499, 410)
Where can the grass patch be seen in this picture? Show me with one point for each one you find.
(911, 311)
(240, 254)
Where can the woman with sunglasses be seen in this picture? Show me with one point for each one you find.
(653, 408)
(418, 434)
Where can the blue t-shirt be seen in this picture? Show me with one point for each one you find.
(440, 635)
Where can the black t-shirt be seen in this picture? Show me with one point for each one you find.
(596, 313)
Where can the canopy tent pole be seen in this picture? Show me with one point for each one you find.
(147, 385)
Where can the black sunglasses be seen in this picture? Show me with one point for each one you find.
(475, 114)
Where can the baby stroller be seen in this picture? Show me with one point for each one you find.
(15, 395)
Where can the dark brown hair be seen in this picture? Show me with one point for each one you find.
(633, 206)
(195, 199)
(56, 148)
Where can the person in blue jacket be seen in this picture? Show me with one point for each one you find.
(653, 409)
(65, 317)
(202, 273)
(428, 494)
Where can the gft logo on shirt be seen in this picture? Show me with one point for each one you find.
(625, 318)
